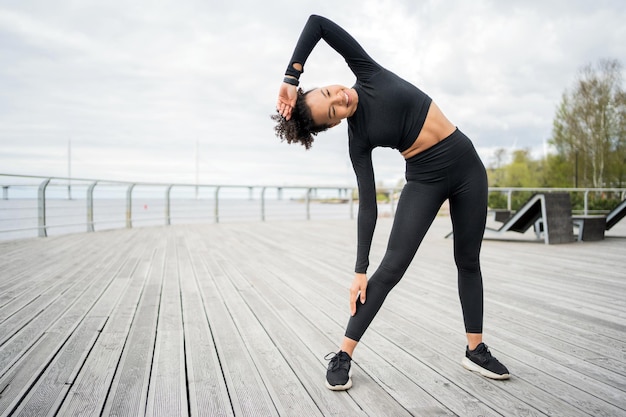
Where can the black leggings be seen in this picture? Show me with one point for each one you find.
(449, 170)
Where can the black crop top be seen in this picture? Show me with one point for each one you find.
(390, 113)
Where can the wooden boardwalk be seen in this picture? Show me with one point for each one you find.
(235, 319)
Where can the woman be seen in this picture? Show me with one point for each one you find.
(441, 163)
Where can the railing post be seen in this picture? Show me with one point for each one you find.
(168, 220)
(586, 210)
(217, 205)
(351, 204)
(508, 199)
(263, 204)
(90, 226)
(129, 206)
(392, 202)
(41, 203)
(5, 192)
(308, 203)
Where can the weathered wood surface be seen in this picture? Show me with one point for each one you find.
(235, 319)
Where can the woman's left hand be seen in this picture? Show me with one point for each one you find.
(357, 290)
(286, 99)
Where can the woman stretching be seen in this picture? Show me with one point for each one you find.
(441, 163)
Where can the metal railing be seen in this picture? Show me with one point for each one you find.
(80, 189)
(190, 202)
(508, 191)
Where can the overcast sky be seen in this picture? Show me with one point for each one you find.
(136, 86)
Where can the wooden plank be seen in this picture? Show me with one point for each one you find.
(287, 325)
(32, 358)
(245, 386)
(30, 279)
(89, 389)
(520, 320)
(508, 304)
(288, 394)
(11, 350)
(18, 266)
(408, 392)
(208, 394)
(17, 320)
(253, 307)
(167, 394)
(553, 384)
(444, 357)
(253, 271)
(11, 293)
(50, 387)
(129, 388)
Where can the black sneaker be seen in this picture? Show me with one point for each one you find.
(339, 373)
(480, 360)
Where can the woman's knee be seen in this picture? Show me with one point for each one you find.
(468, 264)
(392, 268)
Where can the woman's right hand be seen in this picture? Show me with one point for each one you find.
(359, 285)
(287, 96)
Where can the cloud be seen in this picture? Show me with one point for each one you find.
(136, 85)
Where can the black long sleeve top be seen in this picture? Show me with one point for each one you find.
(390, 113)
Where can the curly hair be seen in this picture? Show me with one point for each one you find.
(300, 128)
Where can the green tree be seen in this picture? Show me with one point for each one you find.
(522, 171)
(558, 172)
(590, 126)
(495, 171)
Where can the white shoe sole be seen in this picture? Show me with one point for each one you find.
(344, 387)
(471, 366)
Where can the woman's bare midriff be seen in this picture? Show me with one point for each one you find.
(436, 128)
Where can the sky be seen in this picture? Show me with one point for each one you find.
(178, 91)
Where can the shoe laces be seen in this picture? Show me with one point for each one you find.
(336, 360)
(484, 349)
(482, 352)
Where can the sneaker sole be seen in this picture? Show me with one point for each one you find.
(343, 387)
(471, 366)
